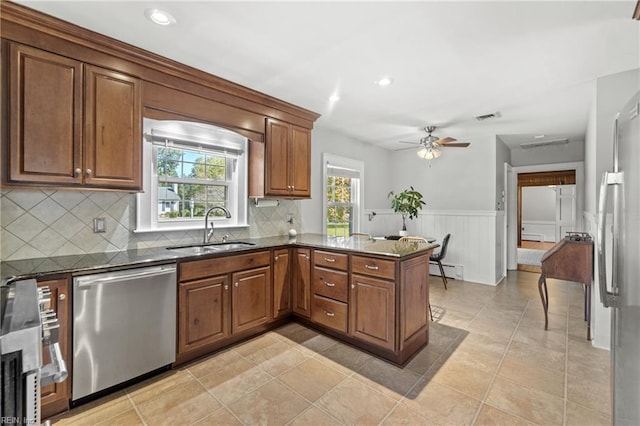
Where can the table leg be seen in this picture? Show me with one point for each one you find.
(587, 309)
(544, 296)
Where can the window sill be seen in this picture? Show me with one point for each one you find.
(186, 228)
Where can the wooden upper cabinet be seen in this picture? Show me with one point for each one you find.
(287, 159)
(71, 124)
(113, 129)
(45, 117)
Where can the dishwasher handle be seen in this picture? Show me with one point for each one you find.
(106, 278)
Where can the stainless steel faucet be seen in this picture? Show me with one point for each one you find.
(208, 233)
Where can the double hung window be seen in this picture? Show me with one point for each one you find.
(189, 168)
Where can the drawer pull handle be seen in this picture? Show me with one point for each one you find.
(329, 314)
(329, 284)
(372, 267)
(330, 259)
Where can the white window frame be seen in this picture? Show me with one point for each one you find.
(347, 163)
(198, 133)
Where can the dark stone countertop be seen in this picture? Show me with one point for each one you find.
(98, 262)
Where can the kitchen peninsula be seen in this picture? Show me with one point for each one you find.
(373, 294)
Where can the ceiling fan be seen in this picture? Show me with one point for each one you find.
(430, 145)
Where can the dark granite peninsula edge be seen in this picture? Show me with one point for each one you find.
(100, 262)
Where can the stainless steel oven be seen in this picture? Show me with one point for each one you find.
(28, 324)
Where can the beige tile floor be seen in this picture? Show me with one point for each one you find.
(489, 362)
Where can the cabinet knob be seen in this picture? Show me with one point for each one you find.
(226, 286)
(77, 172)
(277, 257)
(353, 286)
(62, 296)
(88, 172)
(236, 284)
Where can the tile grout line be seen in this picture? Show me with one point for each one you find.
(135, 407)
(504, 355)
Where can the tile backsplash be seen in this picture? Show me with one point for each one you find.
(46, 223)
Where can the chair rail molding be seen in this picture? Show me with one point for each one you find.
(475, 243)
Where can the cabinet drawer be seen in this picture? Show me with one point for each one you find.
(330, 313)
(331, 260)
(328, 283)
(375, 267)
(222, 265)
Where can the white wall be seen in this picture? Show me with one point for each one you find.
(538, 203)
(461, 179)
(377, 174)
(573, 151)
(503, 155)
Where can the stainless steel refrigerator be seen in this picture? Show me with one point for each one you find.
(622, 187)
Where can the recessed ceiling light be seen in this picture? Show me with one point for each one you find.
(384, 81)
(160, 17)
(538, 136)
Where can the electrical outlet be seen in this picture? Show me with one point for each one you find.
(99, 225)
(290, 218)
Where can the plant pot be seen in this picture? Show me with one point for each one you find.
(403, 233)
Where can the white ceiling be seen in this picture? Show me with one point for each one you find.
(534, 62)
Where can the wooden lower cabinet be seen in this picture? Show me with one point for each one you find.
(251, 299)
(203, 312)
(55, 397)
(301, 282)
(222, 300)
(281, 283)
(372, 310)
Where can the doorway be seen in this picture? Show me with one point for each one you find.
(546, 210)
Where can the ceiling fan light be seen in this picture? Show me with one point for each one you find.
(436, 153)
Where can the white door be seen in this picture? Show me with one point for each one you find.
(511, 213)
(565, 210)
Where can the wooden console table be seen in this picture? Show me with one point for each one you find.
(571, 259)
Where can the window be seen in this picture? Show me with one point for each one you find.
(342, 201)
(189, 168)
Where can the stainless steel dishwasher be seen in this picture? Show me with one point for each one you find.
(124, 326)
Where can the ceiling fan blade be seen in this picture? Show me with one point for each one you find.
(404, 149)
(412, 143)
(446, 140)
(456, 145)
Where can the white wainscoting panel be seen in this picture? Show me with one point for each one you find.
(473, 244)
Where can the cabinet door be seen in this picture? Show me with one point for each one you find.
(55, 397)
(203, 312)
(277, 158)
(45, 117)
(281, 283)
(372, 311)
(301, 282)
(250, 299)
(113, 129)
(300, 162)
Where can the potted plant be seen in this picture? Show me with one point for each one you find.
(407, 203)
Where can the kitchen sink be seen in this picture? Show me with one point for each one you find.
(198, 249)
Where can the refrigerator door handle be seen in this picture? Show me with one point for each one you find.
(607, 298)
